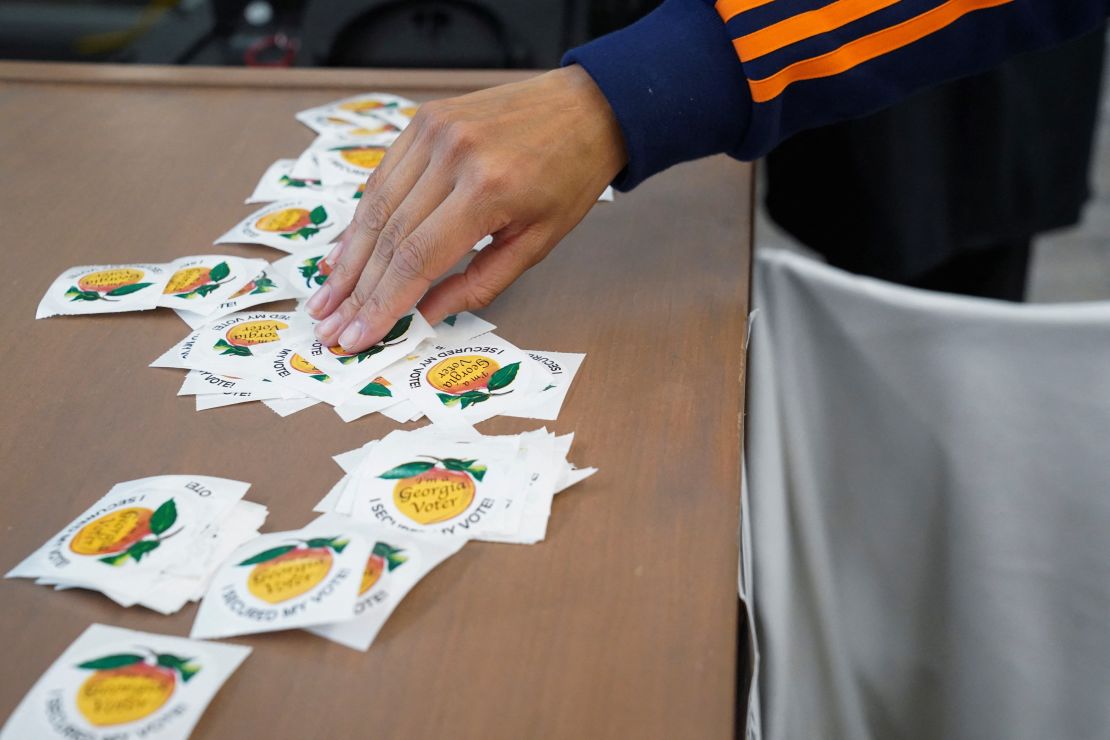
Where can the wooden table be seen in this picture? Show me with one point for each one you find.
(622, 624)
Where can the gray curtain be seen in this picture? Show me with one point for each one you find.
(927, 512)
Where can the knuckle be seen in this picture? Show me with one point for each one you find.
(410, 260)
(461, 138)
(391, 236)
(479, 295)
(430, 111)
(360, 296)
(374, 305)
(343, 271)
(373, 214)
(490, 181)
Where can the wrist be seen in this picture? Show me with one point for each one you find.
(674, 84)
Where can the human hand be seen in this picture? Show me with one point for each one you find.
(524, 162)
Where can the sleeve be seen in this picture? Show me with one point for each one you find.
(695, 78)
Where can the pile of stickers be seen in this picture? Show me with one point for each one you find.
(457, 373)
(406, 503)
(154, 542)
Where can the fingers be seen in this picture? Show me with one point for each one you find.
(429, 250)
(386, 189)
(488, 274)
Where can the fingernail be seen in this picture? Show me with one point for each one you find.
(329, 325)
(350, 336)
(333, 255)
(319, 299)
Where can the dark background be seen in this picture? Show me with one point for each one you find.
(310, 33)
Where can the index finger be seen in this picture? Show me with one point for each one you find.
(439, 242)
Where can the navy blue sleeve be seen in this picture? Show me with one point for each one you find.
(695, 78)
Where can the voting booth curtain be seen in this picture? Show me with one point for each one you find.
(927, 512)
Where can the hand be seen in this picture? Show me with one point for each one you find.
(524, 162)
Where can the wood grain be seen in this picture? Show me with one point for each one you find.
(621, 624)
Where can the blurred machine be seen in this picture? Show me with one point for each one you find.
(349, 33)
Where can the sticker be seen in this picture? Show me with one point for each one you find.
(464, 384)
(292, 225)
(305, 270)
(124, 542)
(202, 283)
(289, 406)
(266, 287)
(348, 368)
(284, 580)
(355, 111)
(239, 344)
(97, 289)
(460, 327)
(343, 162)
(396, 564)
(428, 484)
(561, 367)
(278, 183)
(368, 107)
(120, 684)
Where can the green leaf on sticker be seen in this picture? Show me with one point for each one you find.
(392, 555)
(320, 279)
(141, 548)
(109, 662)
(318, 215)
(82, 295)
(407, 470)
(452, 463)
(478, 471)
(398, 329)
(219, 272)
(274, 552)
(366, 354)
(163, 517)
(322, 378)
(116, 560)
(336, 543)
(376, 389)
(447, 399)
(471, 400)
(184, 666)
(503, 377)
(307, 232)
(450, 320)
(128, 289)
(232, 349)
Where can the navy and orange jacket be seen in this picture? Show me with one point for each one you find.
(695, 78)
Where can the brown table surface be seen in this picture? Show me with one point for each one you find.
(623, 623)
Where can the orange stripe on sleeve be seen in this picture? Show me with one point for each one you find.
(805, 25)
(866, 48)
(729, 9)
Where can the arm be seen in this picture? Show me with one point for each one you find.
(769, 68)
(526, 161)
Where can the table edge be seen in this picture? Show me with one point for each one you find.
(285, 78)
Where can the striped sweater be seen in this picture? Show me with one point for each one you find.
(695, 78)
